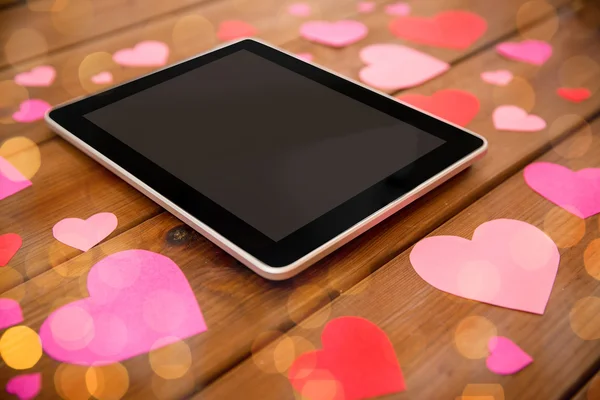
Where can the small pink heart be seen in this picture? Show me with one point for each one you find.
(25, 387)
(235, 29)
(85, 234)
(506, 358)
(138, 301)
(534, 52)
(39, 76)
(501, 77)
(513, 118)
(31, 110)
(103, 78)
(394, 66)
(299, 9)
(308, 57)
(10, 313)
(149, 53)
(578, 192)
(365, 6)
(507, 263)
(11, 179)
(398, 9)
(335, 34)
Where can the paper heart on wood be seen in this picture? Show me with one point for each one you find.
(335, 34)
(456, 106)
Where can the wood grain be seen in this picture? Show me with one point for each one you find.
(591, 390)
(421, 321)
(197, 33)
(239, 307)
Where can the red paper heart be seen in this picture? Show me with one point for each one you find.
(450, 29)
(576, 95)
(357, 362)
(9, 245)
(456, 106)
(234, 29)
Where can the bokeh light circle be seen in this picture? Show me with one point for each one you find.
(92, 65)
(193, 34)
(23, 154)
(70, 382)
(472, 335)
(171, 361)
(585, 318)
(25, 43)
(20, 347)
(74, 18)
(107, 382)
(574, 146)
(533, 10)
(564, 228)
(591, 259)
(11, 97)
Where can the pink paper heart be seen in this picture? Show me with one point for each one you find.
(513, 118)
(578, 192)
(506, 358)
(31, 110)
(534, 52)
(394, 66)
(299, 9)
(335, 34)
(501, 77)
(308, 57)
(139, 301)
(508, 263)
(85, 234)
(25, 387)
(11, 180)
(39, 76)
(149, 53)
(365, 6)
(398, 9)
(103, 78)
(10, 313)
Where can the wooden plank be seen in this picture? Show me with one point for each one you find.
(196, 34)
(422, 322)
(68, 185)
(239, 306)
(591, 390)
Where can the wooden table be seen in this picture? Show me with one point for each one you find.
(256, 328)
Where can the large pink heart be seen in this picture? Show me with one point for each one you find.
(513, 118)
(31, 110)
(335, 34)
(393, 66)
(83, 234)
(534, 52)
(508, 263)
(139, 300)
(39, 76)
(149, 53)
(578, 192)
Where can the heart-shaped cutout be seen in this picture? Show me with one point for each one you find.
(449, 29)
(507, 263)
(578, 192)
(501, 77)
(456, 106)
(139, 301)
(149, 53)
(308, 57)
(506, 358)
(335, 34)
(8, 186)
(85, 234)
(399, 9)
(102, 78)
(535, 52)
(365, 6)
(357, 361)
(38, 77)
(235, 29)
(31, 110)
(10, 243)
(576, 95)
(25, 387)
(10, 313)
(392, 67)
(299, 9)
(513, 118)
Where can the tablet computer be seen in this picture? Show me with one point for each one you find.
(274, 159)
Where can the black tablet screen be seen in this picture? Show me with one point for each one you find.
(271, 146)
